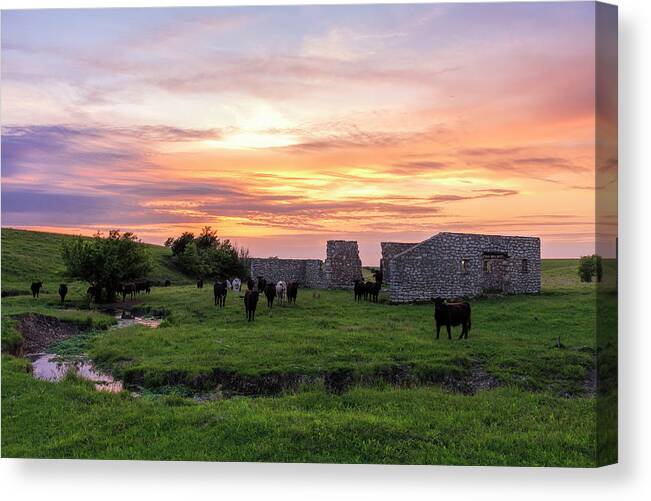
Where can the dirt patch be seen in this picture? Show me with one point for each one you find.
(41, 331)
(476, 380)
(337, 381)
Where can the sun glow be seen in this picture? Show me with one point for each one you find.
(251, 140)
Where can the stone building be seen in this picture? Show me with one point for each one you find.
(452, 265)
(389, 251)
(340, 270)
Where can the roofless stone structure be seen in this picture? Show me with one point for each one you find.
(340, 270)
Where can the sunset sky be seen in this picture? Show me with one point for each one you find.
(285, 127)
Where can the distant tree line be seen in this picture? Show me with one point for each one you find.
(208, 256)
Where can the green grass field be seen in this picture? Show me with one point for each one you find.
(326, 380)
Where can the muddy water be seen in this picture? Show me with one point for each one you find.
(126, 319)
(49, 367)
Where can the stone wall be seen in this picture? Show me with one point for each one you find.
(453, 265)
(389, 251)
(342, 264)
(315, 274)
(307, 272)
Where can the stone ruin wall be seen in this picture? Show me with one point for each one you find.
(389, 251)
(307, 272)
(342, 265)
(340, 270)
(314, 274)
(433, 267)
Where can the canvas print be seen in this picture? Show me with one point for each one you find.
(326, 234)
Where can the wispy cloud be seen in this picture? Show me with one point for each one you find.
(271, 123)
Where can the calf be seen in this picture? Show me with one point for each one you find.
(167, 283)
(220, 290)
(270, 293)
(250, 304)
(281, 291)
(292, 292)
(36, 288)
(63, 290)
(200, 283)
(237, 283)
(262, 283)
(451, 315)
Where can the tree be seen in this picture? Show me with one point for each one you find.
(178, 245)
(208, 256)
(106, 262)
(207, 239)
(586, 268)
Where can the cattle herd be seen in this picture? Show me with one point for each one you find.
(368, 291)
(281, 292)
(131, 289)
(447, 314)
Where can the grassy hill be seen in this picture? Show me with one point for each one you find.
(31, 255)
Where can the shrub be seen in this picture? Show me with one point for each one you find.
(586, 268)
(590, 266)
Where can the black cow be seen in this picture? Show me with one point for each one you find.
(142, 286)
(128, 289)
(167, 283)
(250, 284)
(292, 292)
(368, 290)
(200, 283)
(379, 277)
(262, 284)
(270, 293)
(63, 290)
(359, 290)
(374, 290)
(451, 315)
(93, 292)
(220, 290)
(250, 304)
(36, 288)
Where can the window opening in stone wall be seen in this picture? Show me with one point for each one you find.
(487, 265)
(525, 266)
(464, 266)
